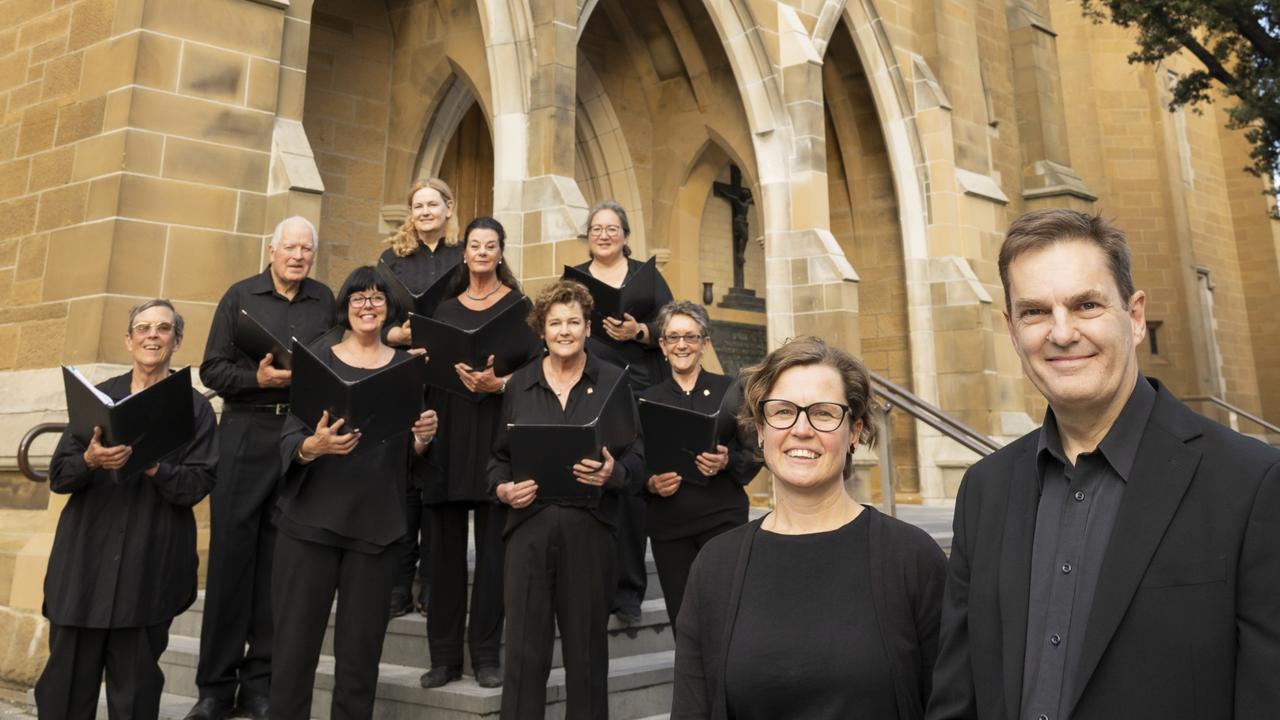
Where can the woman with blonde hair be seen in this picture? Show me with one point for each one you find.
(824, 608)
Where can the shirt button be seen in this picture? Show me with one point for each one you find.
(1079, 496)
(1066, 568)
(1055, 639)
(1043, 717)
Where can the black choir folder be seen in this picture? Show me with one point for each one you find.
(422, 303)
(256, 341)
(674, 436)
(547, 453)
(634, 297)
(154, 422)
(381, 406)
(506, 336)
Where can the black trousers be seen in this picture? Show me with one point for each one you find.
(414, 550)
(306, 576)
(674, 558)
(632, 574)
(68, 687)
(559, 569)
(237, 601)
(448, 602)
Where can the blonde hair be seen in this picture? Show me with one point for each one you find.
(405, 241)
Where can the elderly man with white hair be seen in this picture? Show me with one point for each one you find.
(237, 607)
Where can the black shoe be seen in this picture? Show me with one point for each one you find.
(254, 706)
(420, 604)
(489, 677)
(209, 709)
(401, 604)
(440, 676)
(628, 615)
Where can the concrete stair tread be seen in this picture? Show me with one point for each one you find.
(399, 683)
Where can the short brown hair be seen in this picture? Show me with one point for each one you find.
(759, 379)
(564, 292)
(1039, 229)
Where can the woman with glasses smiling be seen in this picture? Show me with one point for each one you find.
(824, 608)
(630, 342)
(682, 517)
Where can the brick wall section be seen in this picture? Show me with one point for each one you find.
(346, 113)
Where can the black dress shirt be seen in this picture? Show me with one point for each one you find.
(1074, 518)
(357, 501)
(229, 370)
(419, 270)
(697, 508)
(530, 400)
(124, 554)
(644, 359)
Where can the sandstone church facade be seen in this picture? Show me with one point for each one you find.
(147, 148)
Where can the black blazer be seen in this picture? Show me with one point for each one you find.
(907, 568)
(1186, 620)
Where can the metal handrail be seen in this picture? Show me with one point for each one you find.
(1234, 409)
(24, 445)
(893, 395)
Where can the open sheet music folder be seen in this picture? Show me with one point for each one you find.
(422, 303)
(506, 336)
(546, 453)
(256, 341)
(380, 406)
(154, 422)
(674, 436)
(635, 296)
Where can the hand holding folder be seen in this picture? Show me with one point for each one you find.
(257, 342)
(635, 297)
(151, 423)
(674, 437)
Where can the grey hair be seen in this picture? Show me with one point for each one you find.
(178, 323)
(315, 235)
(692, 310)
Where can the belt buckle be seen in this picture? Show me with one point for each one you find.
(282, 409)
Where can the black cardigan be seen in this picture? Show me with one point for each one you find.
(909, 571)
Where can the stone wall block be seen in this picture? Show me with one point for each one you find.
(214, 74)
(51, 168)
(62, 75)
(62, 206)
(110, 65)
(13, 179)
(39, 123)
(210, 263)
(246, 27)
(43, 28)
(136, 245)
(211, 164)
(104, 197)
(83, 323)
(79, 259)
(182, 203)
(263, 84)
(18, 217)
(157, 61)
(81, 120)
(201, 120)
(91, 22)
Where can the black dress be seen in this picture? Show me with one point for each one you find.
(806, 644)
(418, 271)
(123, 564)
(679, 525)
(456, 484)
(339, 518)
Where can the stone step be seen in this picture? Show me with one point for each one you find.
(639, 687)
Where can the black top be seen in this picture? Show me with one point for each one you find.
(805, 644)
(645, 359)
(1075, 515)
(419, 270)
(355, 502)
(905, 570)
(124, 554)
(696, 508)
(530, 400)
(459, 459)
(232, 373)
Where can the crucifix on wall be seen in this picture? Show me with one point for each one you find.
(739, 198)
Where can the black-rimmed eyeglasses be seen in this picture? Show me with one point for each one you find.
(783, 414)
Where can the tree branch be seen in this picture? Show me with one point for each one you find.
(1215, 68)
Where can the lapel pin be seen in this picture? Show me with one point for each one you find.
(590, 390)
(706, 392)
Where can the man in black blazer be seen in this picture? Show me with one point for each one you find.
(1122, 561)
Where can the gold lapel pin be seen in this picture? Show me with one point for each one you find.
(706, 392)
(590, 390)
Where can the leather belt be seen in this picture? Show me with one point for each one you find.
(269, 408)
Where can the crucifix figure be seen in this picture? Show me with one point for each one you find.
(739, 198)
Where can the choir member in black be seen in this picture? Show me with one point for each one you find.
(123, 562)
(632, 342)
(681, 516)
(457, 481)
(341, 518)
(237, 603)
(425, 249)
(560, 555)
(824, 608)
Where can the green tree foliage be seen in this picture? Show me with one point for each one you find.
(1237, 43)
